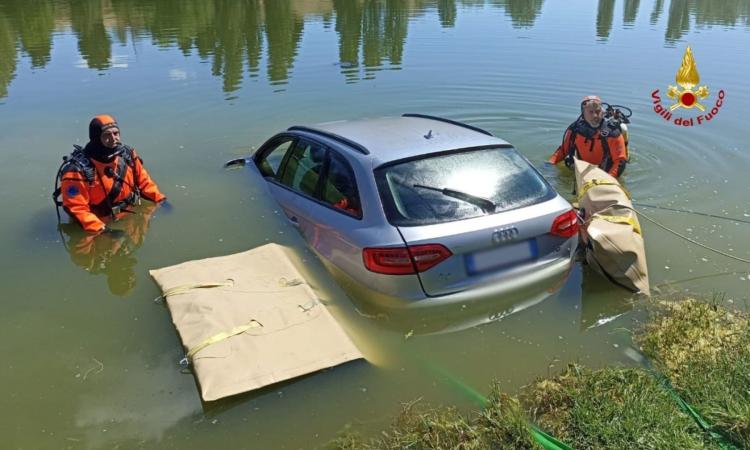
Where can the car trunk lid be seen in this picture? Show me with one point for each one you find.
(489, 248)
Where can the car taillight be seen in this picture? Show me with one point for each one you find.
(565, 225)
(404, 260)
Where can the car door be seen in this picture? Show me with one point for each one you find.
(317, 189)
(271, 159)
(293, 166)
(335, 219)
(300, 177)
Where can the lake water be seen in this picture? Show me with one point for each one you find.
(91, 361)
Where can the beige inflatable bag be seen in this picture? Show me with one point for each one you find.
(249, 320)
(612, 233)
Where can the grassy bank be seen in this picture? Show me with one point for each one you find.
(700, 347)
(501, 425)
(705, 352)
(610, 408)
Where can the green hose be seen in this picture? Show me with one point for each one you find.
(545, 440)
(717, 437)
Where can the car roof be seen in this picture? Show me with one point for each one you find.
(389, 139)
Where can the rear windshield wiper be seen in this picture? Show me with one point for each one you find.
(486, 205)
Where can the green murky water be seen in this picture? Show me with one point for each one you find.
(91, 362)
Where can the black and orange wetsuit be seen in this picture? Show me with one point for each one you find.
(94, 191)
(602, 146)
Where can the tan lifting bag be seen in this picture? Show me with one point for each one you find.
(611, 231)
(250, 320)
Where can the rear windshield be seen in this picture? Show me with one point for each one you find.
(447, 187)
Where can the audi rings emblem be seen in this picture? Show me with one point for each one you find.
(504, 235)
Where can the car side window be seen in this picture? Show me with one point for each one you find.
(340, 186)
(270, 164)
(304, 167)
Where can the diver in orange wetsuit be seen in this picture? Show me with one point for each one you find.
(102, 180)
(591, 139)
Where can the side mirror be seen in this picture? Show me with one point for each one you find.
(237, 162)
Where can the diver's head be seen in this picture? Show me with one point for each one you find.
(103, 130)
(591, 110)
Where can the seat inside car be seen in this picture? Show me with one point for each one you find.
(314, 162)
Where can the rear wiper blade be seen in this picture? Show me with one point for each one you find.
(485, 204)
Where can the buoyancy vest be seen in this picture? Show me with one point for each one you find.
(78, 162)
(605, 132)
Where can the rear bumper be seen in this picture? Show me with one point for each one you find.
(549, 277)
(461, 310)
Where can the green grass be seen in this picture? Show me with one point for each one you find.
(505, 422)
(501, 425)
(703, 349)
(611, 408)
(705, 352)
(608, 408)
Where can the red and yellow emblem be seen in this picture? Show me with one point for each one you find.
(687, 77)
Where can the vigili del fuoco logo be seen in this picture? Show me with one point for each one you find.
(687, 96)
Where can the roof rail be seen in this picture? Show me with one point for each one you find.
(453, 122)
(359, 147)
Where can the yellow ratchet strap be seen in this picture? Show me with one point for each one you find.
(177, 290)
(621, 219)
(221, 336)
(596, 182)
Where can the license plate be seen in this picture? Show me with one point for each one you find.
(502, 256)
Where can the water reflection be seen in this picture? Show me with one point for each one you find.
(110, 254)
(601, 300)
(630, 11)
(283, 31)
(605, 14)
(35, 36)
(136, 411)
(523, 13)
(94, 43)
(705, 13)
(373, 28)
(678, 22)
(235, 35)
(447, 13)
(656, 12)
(7, 56)
(24, 26)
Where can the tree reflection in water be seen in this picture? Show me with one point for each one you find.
(604, 16)
(656, 12)
(235, 35)
(630, 11)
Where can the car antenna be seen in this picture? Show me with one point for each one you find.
(428, 135)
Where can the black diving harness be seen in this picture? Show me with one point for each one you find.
(77, 161)
(610, 126)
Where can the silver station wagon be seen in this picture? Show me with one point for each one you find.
(419, 210)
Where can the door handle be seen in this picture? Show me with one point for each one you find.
(294, 221)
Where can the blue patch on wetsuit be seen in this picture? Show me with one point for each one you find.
(73, 191)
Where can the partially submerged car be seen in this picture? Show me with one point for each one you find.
(419, 210)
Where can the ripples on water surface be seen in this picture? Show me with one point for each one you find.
(91, 361)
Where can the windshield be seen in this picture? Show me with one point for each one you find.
(459, 186)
